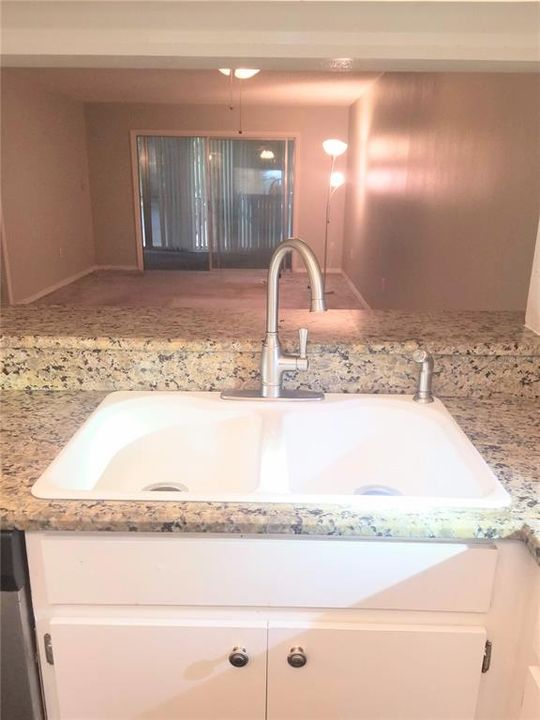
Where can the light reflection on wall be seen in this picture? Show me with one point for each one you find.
(357, 167)
(413, 165)
(387, 180)
(388, 148)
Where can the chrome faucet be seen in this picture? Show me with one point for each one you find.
(274, 362)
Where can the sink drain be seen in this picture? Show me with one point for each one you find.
(376, 490)
(166, 487)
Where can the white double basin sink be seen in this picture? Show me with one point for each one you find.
(373, 452)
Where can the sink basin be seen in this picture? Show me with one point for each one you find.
(156, 445)
(371, 451)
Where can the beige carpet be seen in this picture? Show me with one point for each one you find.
(233, 289)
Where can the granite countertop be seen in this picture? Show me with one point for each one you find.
(36, 425)
(167, 329)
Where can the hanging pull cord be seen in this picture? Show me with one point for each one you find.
(231, 79)
(240, 130)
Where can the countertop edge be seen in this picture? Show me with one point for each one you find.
(261, 525)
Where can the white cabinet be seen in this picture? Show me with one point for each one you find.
(368, 671)
(530, 707)
(156, 668)
(107, 668)
(142, 626)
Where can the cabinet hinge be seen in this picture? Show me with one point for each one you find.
(486, 660)
(47, 642)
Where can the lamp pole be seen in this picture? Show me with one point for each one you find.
(334, 148)
(329, 193)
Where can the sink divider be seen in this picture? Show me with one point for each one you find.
(273, 473)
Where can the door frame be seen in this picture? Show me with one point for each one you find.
(226, 134)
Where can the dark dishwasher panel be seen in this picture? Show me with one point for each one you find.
(20, 697)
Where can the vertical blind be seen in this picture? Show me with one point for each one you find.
(227, 198)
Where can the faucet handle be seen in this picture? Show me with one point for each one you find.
(302, 340)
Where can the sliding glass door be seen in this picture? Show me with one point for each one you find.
(211, 203)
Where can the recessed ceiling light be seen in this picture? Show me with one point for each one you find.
(225, 71)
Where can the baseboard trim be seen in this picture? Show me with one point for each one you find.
(124, 268)
(72, 279)
(356, 292)
(51, 288)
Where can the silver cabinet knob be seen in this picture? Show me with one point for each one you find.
(239, 657)
(297, 657)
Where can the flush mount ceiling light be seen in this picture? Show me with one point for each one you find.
(334, 147)
(267, 155)
(240, 73)
(245, 73)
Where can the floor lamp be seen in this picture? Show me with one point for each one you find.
(334, 148)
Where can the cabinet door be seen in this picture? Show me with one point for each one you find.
(150, 669)
(374, 672)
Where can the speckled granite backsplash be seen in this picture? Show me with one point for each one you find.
(477, 354)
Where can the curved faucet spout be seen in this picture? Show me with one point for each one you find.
(318, 303)
(274, 362)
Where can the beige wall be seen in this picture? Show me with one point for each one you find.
(45, 195)
(442, 206)
(109, 156)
